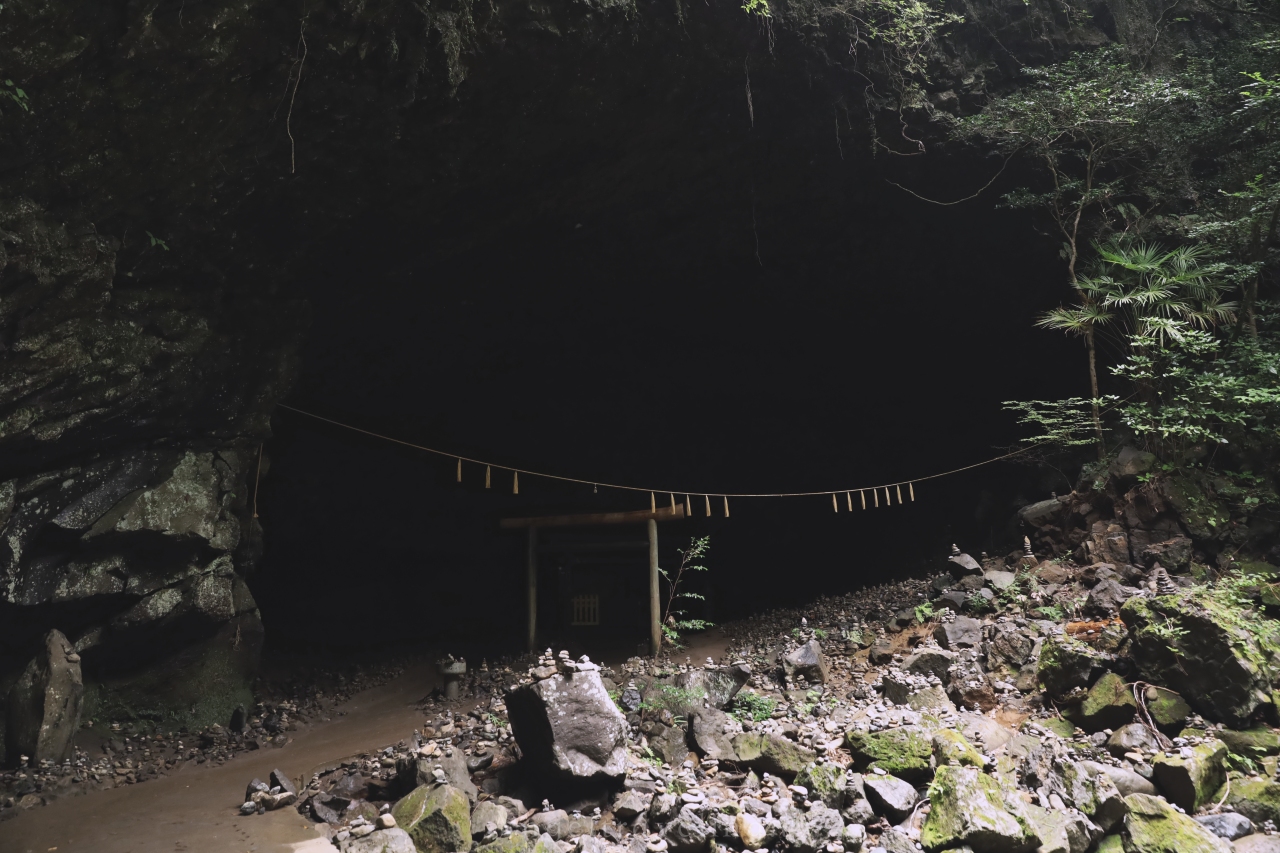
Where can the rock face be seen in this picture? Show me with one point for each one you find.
(1222, 670)
(568, 728)
(1192, 776)
(43, 707)
(968, 808)
(437, 818)
(1154, 826)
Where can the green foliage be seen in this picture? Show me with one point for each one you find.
(751, 706)
(1052, 612)
(674, 622)
(1194, 388)
(759, 8)
(156, 241)
(979, 603)
(1057, 423)
(819, 633)
(15, 94)
(924, 612)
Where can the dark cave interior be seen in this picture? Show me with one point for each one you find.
(872, 339)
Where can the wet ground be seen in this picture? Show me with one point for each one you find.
(196, 809)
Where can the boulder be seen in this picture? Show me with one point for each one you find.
(903, 752)
(1174, 554)
(808, 832)
(630, 804)
(950, 747)
(963, 632)
(1167, 709)
(1256, 799)
(1106, 598)
(716, 687)
(1251, 743)
(751, 831)
(1040, 513)
(961, 565)
(1134, 737)
(1065, 667)
(487, 816)
(1223, 670)
(437, 818)
(1109, 704)
(1126, 781)
(891, 796)
(999, 579)
(393, 840)
(1154, 826)
(807, 661)
(1062, 831)
(568, 728)
(1129, 464)
(1228, 825)
(1192, 776)
(414, 771)
(768, 753)
(824, 782)
(670, 743)
(688, 833)
(857, 808)
(1089, 792)
(706, 730)
(1010, 645)
(930, 661)
(43, 708)
(516, 842)
(881, 651)
(969, 808)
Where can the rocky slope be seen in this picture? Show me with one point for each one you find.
(1025, 705)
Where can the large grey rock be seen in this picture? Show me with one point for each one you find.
(807, 832)
(1062, 831)
(807, 661)
(769, 753)
(1257, 843)
(569, 727)
(43, 712)
(1154, 826)
(688, 833)
(1192, 777)
(1126, 781)
(706, 730)
(890, 796)
(963, 632)
(999, 580)
(857, 808)
(969, 808)
(1010, 645)
(928, 661)
(411, 772)
(1134, 736)
(962, 564)
(437, 818)
(1107, 597)
(1228, 825)
(487, 816)
(717, 687)
(393, 840)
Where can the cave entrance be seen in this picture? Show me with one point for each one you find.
(593, 578)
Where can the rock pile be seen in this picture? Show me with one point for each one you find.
(917, 716)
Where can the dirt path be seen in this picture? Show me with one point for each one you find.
(196, 809)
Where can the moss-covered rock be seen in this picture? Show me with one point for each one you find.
(1109, 704)
(771, 754)
(968, 807)
(1154, 826)
(1192, 778)
(1065, 667)
(1206, 652)
(824, 782)
(516, 842)
(1168, 710)
(902, 752)
(1110, 844)
(1061, 831)
(1256, 799)
(1060, 727)
(950, 747)
(437, 818)
(1251, 743)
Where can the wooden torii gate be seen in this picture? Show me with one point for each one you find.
(587, 519)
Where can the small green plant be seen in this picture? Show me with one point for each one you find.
(156, 241)
(752, 706)
(1052, 612)
(924, 612)
(15, 94)
(819, 633)
(674, 621)
(759, 8)
(650, 758)
(979, 603)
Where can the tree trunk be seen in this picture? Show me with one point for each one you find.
(1093, 386)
